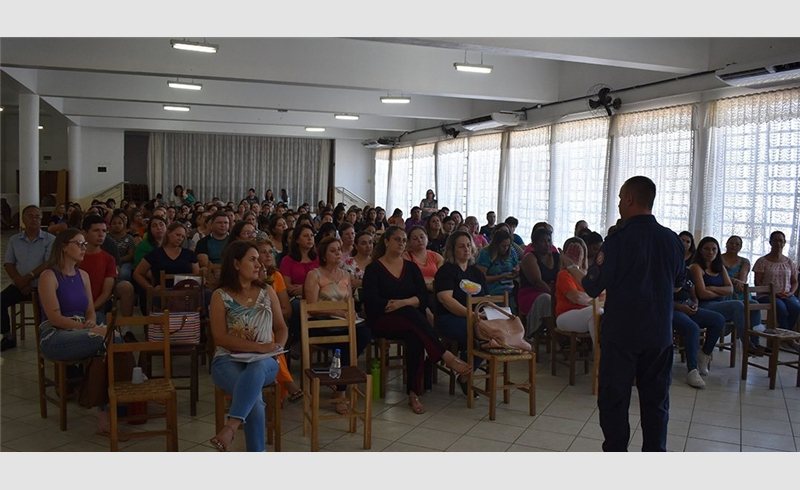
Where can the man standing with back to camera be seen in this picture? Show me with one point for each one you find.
(639, 267)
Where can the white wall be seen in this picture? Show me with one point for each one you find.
(52, 143)
(355, 168)
(100, 148)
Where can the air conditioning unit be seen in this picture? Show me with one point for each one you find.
(769, 73)
(494, 120)
(379, 143)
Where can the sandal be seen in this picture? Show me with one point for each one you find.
(218, 442)
(416, 406)
(459, 366)
(296, 396)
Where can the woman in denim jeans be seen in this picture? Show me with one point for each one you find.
(779, 270)
(68, 329)
(242, 321)
(713, 284)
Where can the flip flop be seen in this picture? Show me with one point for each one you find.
(296, 396)
(218, 443)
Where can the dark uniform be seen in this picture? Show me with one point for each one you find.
(638, 266)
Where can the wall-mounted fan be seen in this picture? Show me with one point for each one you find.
(600, 100)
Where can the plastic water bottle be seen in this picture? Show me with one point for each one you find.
(336, 364)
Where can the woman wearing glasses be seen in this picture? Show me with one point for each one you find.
(68, 329)
(169, 258)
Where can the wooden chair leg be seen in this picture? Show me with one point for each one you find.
(573, 345)
(773, 362)
(506, 382)
(114, 425)
(368, 413)
(42, 388)
(194, 383)
(383, 352)
(532, 388)
(277, 423)
(315, 415)
(492, 389)
(219, 408)
(61, 387)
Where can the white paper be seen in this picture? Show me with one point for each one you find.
(492, 314)
(251, 356)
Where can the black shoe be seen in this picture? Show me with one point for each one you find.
(463, 386)
(7, 343)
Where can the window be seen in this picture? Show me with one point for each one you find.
(658, 145)
(381, 177)
(483, 164)
(527, 189)
(752, 171)
(578, 179)
(451, 169)
(423, 173)
(399, 181)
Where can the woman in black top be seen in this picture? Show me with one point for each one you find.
(395, 301)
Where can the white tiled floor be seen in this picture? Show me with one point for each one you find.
(726, 416)
(729, 415)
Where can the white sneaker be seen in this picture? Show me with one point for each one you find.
(703, 362)
(694, 379)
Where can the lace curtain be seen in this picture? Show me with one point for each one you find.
(525, 188)
(423, 173)
(483, 174)
(399, 182)
(451, 165)
(226, 166)
(381, 177)
(578, 176)
(658, 145)
(752, 171)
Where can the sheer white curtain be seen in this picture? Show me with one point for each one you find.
(578, 176)
(451, 169)
(525, 190)
(399, 181)
(483, 174)
(658, 145)
(752, 171)
(423, 173)
(381, 177)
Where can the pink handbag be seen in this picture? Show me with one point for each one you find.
(502, 333)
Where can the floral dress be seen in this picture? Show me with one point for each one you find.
(244, 321)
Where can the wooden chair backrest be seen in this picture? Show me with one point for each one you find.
(770, 307)
(162, 347)
(308, 323)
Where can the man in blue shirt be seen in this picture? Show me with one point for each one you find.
(26, 259)
(639, 267)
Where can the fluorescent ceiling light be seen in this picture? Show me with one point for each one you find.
(185, 85)
(177, 108)
(41, 127)
(394, 99)
(1, 109)
(473, 68)
(314, 130)
(203, 47)
(346, 117)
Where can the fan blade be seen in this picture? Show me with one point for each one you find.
(617, 104)
(608, 110)
(594, 104)
(603, 92)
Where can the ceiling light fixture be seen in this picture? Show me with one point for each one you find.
(311, 129)
(395, 99)
(1, 108)
(185, 85)
(346, 117)
(200, 47)
(472, 67)
(177, 108)
(41, 127)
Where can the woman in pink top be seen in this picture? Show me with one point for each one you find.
(779, 270)
(427, 260)
(295, 266)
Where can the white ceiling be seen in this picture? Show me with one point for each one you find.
(278, 86)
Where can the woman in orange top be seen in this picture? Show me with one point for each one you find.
(427, 260)
(271, 275)
(572, 314)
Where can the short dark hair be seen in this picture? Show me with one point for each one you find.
(642, 189)
(91, 219)
(322, 248)
(512, 221)
(218, 214)
(593, 238)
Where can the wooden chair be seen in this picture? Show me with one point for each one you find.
(731, 344)
(159, 390)
(352, 376)
(574, 356)
(59, 379)
(193, 299)
(271, 396)
(498, 365)
(20, 318)
(381, 349)
(773, 336)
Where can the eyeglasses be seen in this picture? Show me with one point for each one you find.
(249, 233)
(35, 217)
(80, 244)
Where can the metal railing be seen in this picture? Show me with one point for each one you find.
(348, 197)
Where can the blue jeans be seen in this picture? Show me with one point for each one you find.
(733, 311)
(455, 327)
(788, 310)
(69, 345)
(689, 326)
(126, 272)
(244, 381)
